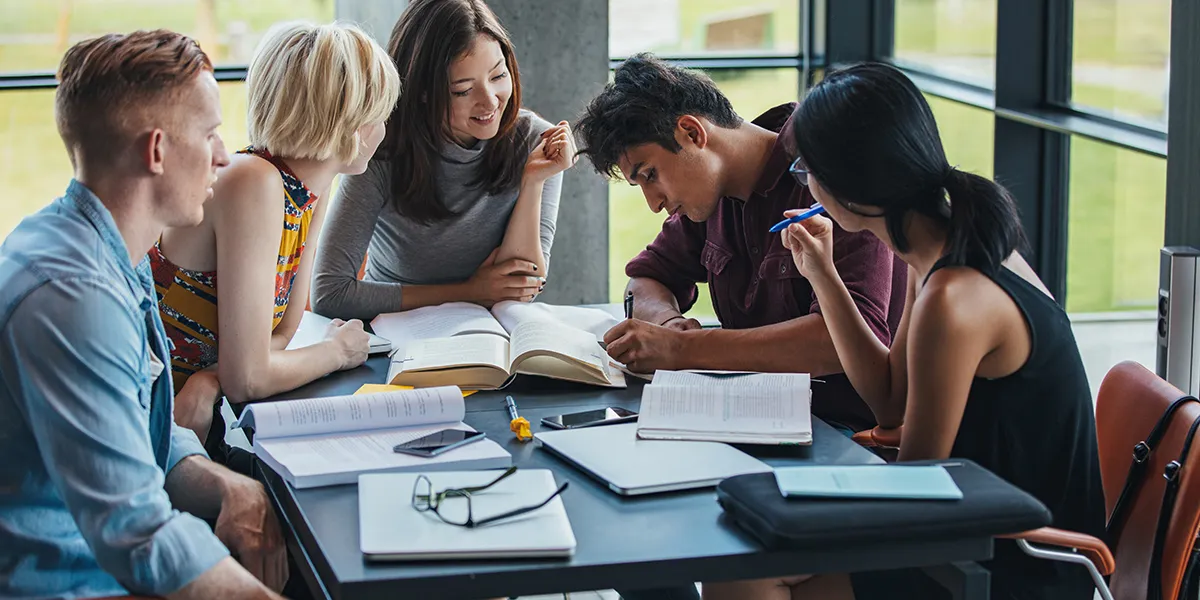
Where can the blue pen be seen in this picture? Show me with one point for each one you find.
(816, 209)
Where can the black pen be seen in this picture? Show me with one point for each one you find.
(629, 304)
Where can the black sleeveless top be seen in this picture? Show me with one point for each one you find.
(1036, 429)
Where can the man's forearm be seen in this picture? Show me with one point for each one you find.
(227, 579)
(653, 301)
(196, 485)
(801, 345)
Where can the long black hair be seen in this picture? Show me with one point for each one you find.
(868, 136)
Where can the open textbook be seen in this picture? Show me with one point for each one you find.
(328, 441)
(469, 346)
(752, 408)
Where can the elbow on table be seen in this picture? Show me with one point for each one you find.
(239, 387)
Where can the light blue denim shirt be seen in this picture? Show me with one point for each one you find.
(86, 431)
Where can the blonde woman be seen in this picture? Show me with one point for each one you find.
(318, 99)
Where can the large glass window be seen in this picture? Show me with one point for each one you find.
(1115, 228)
(632, 225)
(33, 162)
(703, 27)
(34, 34)
(955, 38)
(1121, 57)
(968, 135)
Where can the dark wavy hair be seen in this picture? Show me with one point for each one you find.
(641, 106)
(869, 137)
(429, 36)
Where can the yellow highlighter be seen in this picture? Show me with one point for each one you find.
(374, 388)
(518, 425)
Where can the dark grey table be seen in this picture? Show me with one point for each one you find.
(629, 543)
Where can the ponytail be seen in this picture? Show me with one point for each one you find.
(984, 225)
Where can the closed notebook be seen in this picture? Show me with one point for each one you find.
(391, 529)
(868, 481)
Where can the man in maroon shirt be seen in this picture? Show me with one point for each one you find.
(724, 182)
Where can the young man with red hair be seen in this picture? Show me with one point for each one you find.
(95, 473)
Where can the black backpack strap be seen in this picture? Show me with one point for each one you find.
(1191, 576)
(1142, 451)
(1172, 474)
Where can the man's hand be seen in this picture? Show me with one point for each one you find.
(682, 323)
(248, 527)
(194, 403)
(645, 347)
(512, 279)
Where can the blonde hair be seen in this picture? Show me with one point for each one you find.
(312, 86)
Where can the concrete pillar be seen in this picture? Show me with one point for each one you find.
(562, 51)
(376, 17)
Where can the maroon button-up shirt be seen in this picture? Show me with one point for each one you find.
(753, 280)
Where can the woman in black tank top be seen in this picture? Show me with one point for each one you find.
(984, 365)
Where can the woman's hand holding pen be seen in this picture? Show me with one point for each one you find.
(554, 154)
(811, 243)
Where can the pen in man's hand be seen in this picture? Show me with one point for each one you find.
(629, 304)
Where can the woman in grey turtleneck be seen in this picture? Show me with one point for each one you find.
(460, 201)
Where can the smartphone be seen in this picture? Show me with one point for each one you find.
(590, 418)
(438, 442)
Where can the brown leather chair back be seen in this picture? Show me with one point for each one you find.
(1130, 402)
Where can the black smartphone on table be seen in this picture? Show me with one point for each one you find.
(431, 445)
(590, 418)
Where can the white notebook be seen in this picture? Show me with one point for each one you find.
(754, 408)
(391, 529)
(312, 330)
(329, 441)
(630, 466)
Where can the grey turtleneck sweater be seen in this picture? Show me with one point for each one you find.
(403, 252)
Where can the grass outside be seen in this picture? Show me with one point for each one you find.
(34, 23)
(1117, 196)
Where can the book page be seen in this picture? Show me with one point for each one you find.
(441, 321)
(472, 349)
(367, 451)
(592, 320)
(764, 381)
(337, 414)
(725, 410)
(312, 331)
(545, 335)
